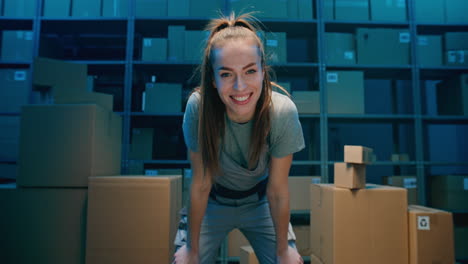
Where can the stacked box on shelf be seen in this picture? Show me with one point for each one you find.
(388, 10)
(163, 98)
(341, 48)
(205, 8)
(351, 173)
(17, 45)
(429, 49)
(455, 11)
(178, 8)
(154, 49)
(429, 11)
(14, 89)
(407, 182)
(175, 45)
(307, 102)
(456, 48)
(383, 46)
(151, 8)
(275, 46)
(193, 49)
(449, 192)
(86, 8)
(19, 8)
(345, 92)
(141, 146)
(266, 8)
(351, 9)
(452, 96)
(56, 8)
(115, 8)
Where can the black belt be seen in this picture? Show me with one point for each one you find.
(219, 190)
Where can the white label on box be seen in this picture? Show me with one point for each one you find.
(28, 35)
(465, 183)
(409, 183)
(349, 55)
(316, 180)
(151, 172)
(423, 41)
(404, 37)
(424, 223)
(401, 3)
(332, 77)
(451, 56)
(20, 76)
(19, 34)
(272, 43)
(147, 42)
(143, 100)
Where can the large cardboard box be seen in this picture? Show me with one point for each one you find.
(293, 9)
(383, 46)
(307, 102)
(429, 49)
(178, 8)
(114, 8)
(306, 9)
(14, 91)
(193, 49)
(175, 45)
(350, 176)
(430, 235)
(247, 256)
(205, 8)
(132, 219)
(19, 8)
(9, 137)
(302, 233)
(151, 8)
(407, 182)
(236, 240)
(359, 226)
(358, 154)
(455, 11)
(163, 98)
(328, 9)
(56, 8)
(298, 189)
(456, 41)
(63, 145)
(345, 92)
(429, 11)
(452, 96)
(352, 9)
(141, 146)
(388, 10)
(154, 49)
(265, 8)
(276, 47)
(17, 45)
(449, 192)
(42, 225)
(86, 8)
(461, 242)
(341, 48)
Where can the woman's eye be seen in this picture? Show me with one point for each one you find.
(225, 74)
(251, 71)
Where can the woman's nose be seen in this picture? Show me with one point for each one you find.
(240, 84)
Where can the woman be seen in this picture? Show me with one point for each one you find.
(241, 137)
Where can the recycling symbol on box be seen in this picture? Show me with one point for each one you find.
(424, 223)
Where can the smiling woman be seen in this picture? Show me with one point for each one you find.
(241, 137)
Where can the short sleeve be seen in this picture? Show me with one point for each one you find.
(286, 135)
(190, 122)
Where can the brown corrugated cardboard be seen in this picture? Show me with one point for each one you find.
(178, 8)
(303, 238)
(358, 154)
(456, 57)
(429, 11)
(163, 98)
(63, 145)
(40, 225)
(382, 46)
(449, 192)
(14, 90)
(352, 9)
(461, 242)
(17, 45)
(341, 48)
(19, 8)
(452, 96)
(455, 11)
(236, 240)
(114, 8)
(298, 189)
(141, 146)
(132, 219)
(151, 8)
(57, 8)
(307, 102)
(456, 41)
(276, 47)
(429, 50)
(247, 256)
(154, 49)
(388, 10)
(364, 226)
(86, 8)
(345, 92)
(176, 39)
(430, 235)
(315, 260)
(350, 176)
(408, 182)
(9, 137)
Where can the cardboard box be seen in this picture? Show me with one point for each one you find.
(9, 138)
(163, 98)
(345, 92)
(176, 39)
(358, 154)
(449, 192)
(402, 157)
(86, 8)
(350, 176)
(315, 260)
(461, 242)
(307, 102)
(352, 9)
(429, 50)
(276, 47)
(63, 145)
(265, 8)
(303, 238)
(452, 96)
(328, 9)
(114, 8)
(193, 49)
(132, 219)
(56, 8)
(141, 146)
(247, 256)
(364, 226)
(429, 11)
(293, 9)
(14, 91)
(455, 11)
(19, 8)
(407, 182)
(8, 171)
(154, 49)
(456, 57)
(456, 41)
(388, 10)
(430, 235)
(205, 8)
(383, 46)
(151, 8)
(42, 225)
(306, 9)
(298, 189)
(178, 8)
(236, 240)
(341, 48)
(17, 45)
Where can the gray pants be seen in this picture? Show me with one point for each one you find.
(252, 218)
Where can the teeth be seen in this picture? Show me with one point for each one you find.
(241, 99)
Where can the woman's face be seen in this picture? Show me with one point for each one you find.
(238, 77)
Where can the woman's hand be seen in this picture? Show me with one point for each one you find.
(290, 256)
(185, 256)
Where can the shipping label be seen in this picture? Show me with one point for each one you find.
(404, 37)
(20, 76)
(332, 77)
(409, 183)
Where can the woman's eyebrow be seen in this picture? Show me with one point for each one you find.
(229, 69)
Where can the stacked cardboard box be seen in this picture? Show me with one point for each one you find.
(276, 46)
(383, 46)
(351, 9)
(151, 8)
(388, 10)
(341, 48)
(86, 8)
(175, 43)
(19, 8)
(345, 92)
(14, 91)
(407, 182)
(193, 49)
(115, 8)
(429, 11)
(163, 98)
(456, 48)
(247, 256)
(178, 8)
(56, 8)
(449, 192)
(455, 11)
(452, 96)
(429, 49)
(351, 173)
(154, 49)
(307, 102)
(17, 45)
